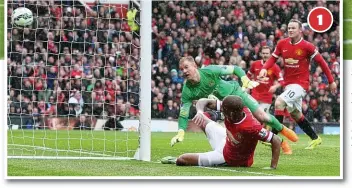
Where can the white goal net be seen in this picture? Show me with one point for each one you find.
(73, 76)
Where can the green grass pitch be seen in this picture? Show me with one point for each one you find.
(347, 28)
(323, 161)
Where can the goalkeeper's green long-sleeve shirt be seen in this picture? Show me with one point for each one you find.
(210, 83)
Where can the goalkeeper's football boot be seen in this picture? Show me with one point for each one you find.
(314, 143)
(289, 134)
(286, 149)
(168, 160)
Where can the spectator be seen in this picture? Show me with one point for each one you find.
(156, 112)
(76, 102)
(170, 112)
(82, 124)
(235, 58)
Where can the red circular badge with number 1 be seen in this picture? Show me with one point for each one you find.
(320, 19)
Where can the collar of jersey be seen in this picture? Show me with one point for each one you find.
(297, 42)
(191, 84)
(245, 115)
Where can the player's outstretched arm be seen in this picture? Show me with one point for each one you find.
(210, 103)
(267, 65)
(200, 118)
(182, 122)
(275, 151)
(223, 70)
(274, 87)
(324, 66)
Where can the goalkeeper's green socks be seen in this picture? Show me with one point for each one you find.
(274, 123)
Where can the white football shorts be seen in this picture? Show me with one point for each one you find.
(216, 135)
(293, 96)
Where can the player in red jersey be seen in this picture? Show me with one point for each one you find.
(297, 55)
(264, 92)
(234, 145)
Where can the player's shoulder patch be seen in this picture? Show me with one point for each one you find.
(183, 113)
(263, 133)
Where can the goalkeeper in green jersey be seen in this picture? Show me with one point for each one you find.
(200, 83)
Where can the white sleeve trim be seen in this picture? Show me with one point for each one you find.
(218, 105)
(270, 137)
(315, 53)
(276, 56)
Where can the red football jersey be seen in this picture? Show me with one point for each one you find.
(242, 139)
(261, 92)
(296, 58)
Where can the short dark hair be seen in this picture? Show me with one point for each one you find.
(233, 103)
(264, 47)
(297, 21)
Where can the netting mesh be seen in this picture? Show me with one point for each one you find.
(73, 72)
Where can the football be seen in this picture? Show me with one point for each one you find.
(22, 17)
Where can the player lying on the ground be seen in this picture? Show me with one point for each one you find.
(297, 54)
(237, 148)
(263, 93)
(205, 81)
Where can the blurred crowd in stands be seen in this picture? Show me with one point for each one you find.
(78, 62)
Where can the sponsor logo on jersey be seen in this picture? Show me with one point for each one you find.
(299, 52)
(291, 61)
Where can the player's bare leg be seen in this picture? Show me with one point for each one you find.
(188, 159)
(306, 126)
(216, 135)
(280, 106)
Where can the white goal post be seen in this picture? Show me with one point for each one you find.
(57, 137)
(145, 104)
